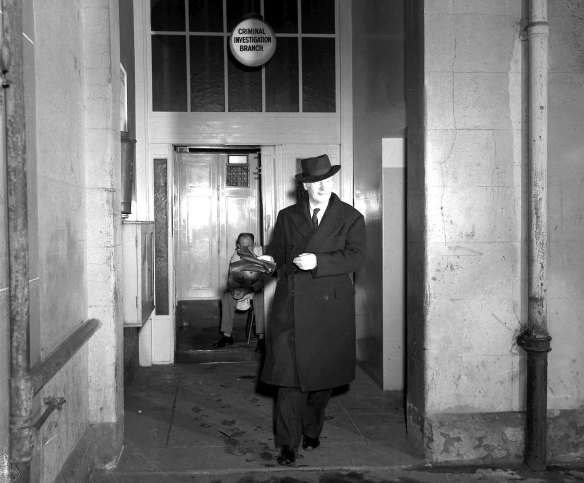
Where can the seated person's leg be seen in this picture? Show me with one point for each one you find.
(258, 307)
(227, 313)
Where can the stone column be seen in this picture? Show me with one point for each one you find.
(465, 300)
(102, 151)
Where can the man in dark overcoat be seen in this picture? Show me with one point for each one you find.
(310, 347)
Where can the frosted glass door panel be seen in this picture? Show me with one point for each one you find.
(282, 77)
(167, 15)
(169, 73)
(282, 15)
(205, 16)
(318, 16)
(245, 87)
(207, 79)
(318, 75)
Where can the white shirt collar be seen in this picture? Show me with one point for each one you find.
(320, 212)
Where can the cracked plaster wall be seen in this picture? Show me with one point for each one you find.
(566, 207)
(476, 182)
(103, 221)
(59, 183)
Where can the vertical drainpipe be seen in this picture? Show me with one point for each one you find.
(21, 390)
(536, 340)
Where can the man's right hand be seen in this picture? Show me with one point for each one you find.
(238, 293)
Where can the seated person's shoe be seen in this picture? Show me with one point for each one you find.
(261, 347)
(287, 455)
(224, 341)
(308, 442)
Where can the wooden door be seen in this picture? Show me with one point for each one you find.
(217, 200)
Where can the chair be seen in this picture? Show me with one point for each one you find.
(250, 325)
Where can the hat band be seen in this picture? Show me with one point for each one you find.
(318, 172)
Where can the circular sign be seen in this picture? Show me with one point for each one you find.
(252, 42)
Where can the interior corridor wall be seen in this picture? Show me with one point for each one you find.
(378, 112)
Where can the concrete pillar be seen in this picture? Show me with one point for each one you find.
(465, 242)
(102, 151)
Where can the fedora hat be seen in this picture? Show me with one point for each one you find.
(316, 169)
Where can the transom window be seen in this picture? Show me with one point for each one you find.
(193, 69)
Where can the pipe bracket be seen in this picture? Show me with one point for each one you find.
(534, 340)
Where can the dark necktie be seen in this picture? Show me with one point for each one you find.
(315, 219)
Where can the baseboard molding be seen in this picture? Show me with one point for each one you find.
(490, 438)
(99, 447)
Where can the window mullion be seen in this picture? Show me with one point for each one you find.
(188, 50)
(262, 10)
(225, 57)
(300, 101)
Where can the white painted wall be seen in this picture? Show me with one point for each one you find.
(393, 157)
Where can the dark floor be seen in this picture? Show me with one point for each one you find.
(210, 421)
(195, 342)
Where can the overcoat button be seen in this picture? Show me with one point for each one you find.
(292, 292)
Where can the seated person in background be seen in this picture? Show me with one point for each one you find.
(240, 291)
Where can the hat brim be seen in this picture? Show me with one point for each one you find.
(335, 168)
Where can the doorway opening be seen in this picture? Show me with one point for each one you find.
(217, 196)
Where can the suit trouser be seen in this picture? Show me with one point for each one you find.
(299, 413)
(228, 305)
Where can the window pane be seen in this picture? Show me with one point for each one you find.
(282, 77)
(245, 87)
(318, 16)
(205, 16)
(207, 82)
(169, 73)
(167, 15)
(282, 15)
(318, 75)
(236, 9)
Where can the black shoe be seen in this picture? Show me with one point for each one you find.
(287, 456)
(224, 341)
(261, 347)
(308, 442)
